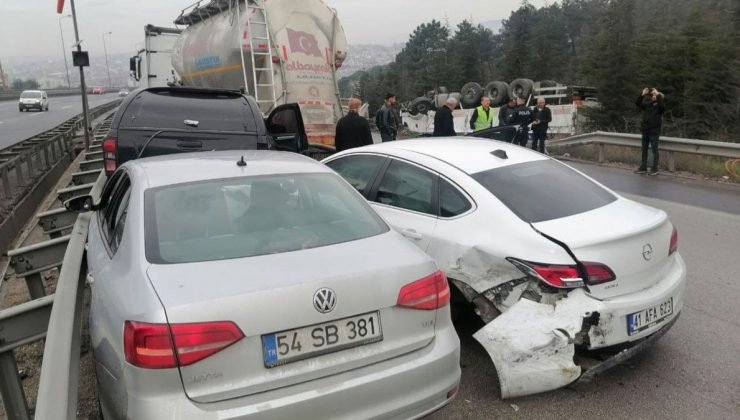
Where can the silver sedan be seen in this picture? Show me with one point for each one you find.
(260, 287)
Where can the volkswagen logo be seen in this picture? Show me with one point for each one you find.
(647, 252)
(324, 300)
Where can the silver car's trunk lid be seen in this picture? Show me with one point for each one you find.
(275, 293)
(631, 239)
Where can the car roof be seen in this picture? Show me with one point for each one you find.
(202, 166)
(468, 154)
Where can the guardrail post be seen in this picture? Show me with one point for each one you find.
(19, 171)
(671, 162)
(601, 152)
(6, 181)
(11, 388)
(35, 286)
(47, 159)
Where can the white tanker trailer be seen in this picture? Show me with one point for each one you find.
(279, 51)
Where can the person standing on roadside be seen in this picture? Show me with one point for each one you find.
(542, 117)
(482, 117)
(386, 119)
(522, 117)
(444, 123)
(651, 104)
(352, 130)
(506, 111)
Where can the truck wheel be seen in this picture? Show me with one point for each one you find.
(420, 105)
(498, 92)
(521, 88)
(440, 99)
(471, 93)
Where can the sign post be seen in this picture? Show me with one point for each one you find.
(81, 60)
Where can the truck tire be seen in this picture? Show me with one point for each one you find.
(521, 88)
(420, 105)
(498, 92)
(471, 93)
(456, 95)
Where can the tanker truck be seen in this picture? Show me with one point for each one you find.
(278, 51)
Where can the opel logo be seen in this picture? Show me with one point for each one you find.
(324, 300)
(647, 252)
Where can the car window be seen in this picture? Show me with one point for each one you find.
(113, 210)
(407, 187)
(358, 170)
(119, 222)
(451, 201)
(227, 112)
(251, 216)
(543, 190)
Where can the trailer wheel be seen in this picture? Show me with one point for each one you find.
(440, 99)
(471, 94)
(498, 92)
(521, 88)
(420, 105)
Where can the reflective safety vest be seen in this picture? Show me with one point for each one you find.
(483, 121)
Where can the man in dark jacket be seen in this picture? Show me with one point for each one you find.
(506, 111)
(387, 119)
(542, 117)
(352, 129)
(651, 104)
(444, 124)
(521, 117)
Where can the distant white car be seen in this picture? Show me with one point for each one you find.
(33, 99)
(553, 261)
(123, 92)
(258, 284)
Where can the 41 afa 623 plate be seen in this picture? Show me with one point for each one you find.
(640, 321)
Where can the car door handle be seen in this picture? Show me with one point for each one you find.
(412, 234)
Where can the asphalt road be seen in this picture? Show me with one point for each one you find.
(693, 372)
(17, 126)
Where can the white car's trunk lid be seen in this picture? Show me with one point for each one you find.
(631, 239)
(275, 293)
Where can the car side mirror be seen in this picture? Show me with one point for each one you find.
(82, 203)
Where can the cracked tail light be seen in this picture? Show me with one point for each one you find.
(566, 276)
(431, 292)
(110, 150)
(162, 346)
(674, 242)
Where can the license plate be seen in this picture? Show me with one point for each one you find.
(640, 321)
(301, 343)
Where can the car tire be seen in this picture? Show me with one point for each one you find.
(521, 88)
(498, 92)
(420, 105)
(471, 93)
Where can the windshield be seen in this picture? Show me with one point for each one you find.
(543, 190)
(31, 95)
(252, 216)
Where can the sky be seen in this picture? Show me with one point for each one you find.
(30, 28)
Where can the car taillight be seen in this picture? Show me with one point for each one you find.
(674, 242)
(431, 292)
(566, 276)
(110, 148)
(161, 346)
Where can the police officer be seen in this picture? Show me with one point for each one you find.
(521, 117)
(482, 117)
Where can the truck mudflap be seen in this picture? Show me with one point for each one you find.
(532, 345)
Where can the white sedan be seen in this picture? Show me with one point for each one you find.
(556, 264)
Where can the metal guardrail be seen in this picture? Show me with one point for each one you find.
(57, 317)
(10, 95)
(668, 144)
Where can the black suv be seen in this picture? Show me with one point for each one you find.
(166, 120)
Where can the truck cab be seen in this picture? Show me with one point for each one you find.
(166, 120)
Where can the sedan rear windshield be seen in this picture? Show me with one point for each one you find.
(251, 216)
(29, 95)
(189, 110)
(544, 190)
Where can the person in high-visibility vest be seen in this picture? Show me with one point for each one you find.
(482, 116)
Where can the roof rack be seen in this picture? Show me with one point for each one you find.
(198, 12)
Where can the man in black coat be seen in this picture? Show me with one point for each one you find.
(521, 117)
(444, 124)
(542, 117)
(506, 111)
(651, 104)
(352, 129)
